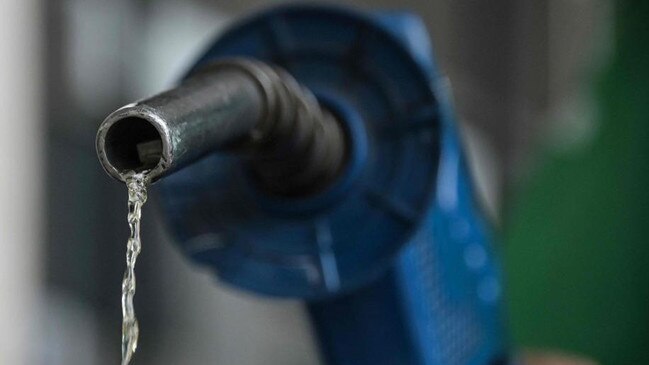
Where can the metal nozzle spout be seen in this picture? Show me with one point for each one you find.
(242, 105)
(169, 130)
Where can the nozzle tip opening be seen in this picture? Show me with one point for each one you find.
(132, 140)
(133, 144)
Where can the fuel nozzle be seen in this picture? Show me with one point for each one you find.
(243, 106)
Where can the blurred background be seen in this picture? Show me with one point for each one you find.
(553, 98)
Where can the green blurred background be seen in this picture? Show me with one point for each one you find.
(577, 230)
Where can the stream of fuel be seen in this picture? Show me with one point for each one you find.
(136, 182)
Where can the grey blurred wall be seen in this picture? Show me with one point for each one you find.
(21, 183)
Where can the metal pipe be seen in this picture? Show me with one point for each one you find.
(165, 132)
(294, 147)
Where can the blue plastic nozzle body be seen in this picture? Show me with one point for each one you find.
(395, 258)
